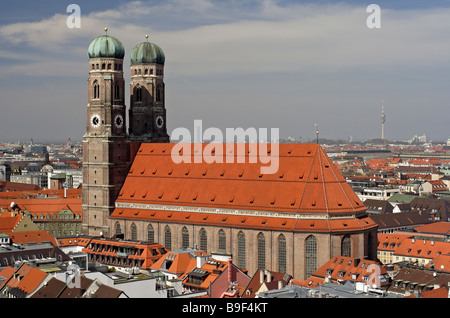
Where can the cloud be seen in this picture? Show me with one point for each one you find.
(258, 63)
(268, 38)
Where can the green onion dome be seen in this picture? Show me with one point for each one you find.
(146, 53)
(106, 46)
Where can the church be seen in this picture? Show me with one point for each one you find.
(292, 221)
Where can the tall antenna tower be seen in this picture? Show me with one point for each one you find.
(383, 119)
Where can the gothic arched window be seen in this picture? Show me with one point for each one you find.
(96, 90)
(117, 91)
(346, 246)
(139, 94)
(310, 256)
(241, 250)
(222, 241)
(261, 251)
(134, 235)
(184, 237)
(203, 240)
(118, 229)
(168, 238)
(150, 234)
(281, 254)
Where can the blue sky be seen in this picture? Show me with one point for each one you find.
(247, 63)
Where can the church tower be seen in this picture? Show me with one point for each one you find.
(106, 148)
(147, 96)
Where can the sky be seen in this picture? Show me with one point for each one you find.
(237, 63)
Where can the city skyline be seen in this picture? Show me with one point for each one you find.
(263, 64)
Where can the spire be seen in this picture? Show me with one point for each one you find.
(146, 36)
(383, 119)
(106, 31)
(317, 132)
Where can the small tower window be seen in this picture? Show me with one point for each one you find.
(146, 71)
(158, 95)
(135, 72)
(117, 91)
(96, 90)
(103, 66)
(139, 94)
(109, 66)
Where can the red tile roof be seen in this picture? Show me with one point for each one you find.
(179, 262)
(32, 237)
(306, 182)
(342, 268)
(147, 254)
(436, 228)
(50, 206)
(209, 272)
(26, 278)
(441, 292)
(418, 248)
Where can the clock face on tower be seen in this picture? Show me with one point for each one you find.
(95, 121)
(118, 121)
(159, 121)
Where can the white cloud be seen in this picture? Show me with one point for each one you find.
(223, 58)
(292, 38)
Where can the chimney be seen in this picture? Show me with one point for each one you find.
(269, 276)
(201, 260)
(261, 276)
(280, 284)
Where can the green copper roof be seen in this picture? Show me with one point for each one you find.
(106, 46)
(147, 52)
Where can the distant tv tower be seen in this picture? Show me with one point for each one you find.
(383, 119)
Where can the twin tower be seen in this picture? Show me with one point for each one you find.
(110, 139)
